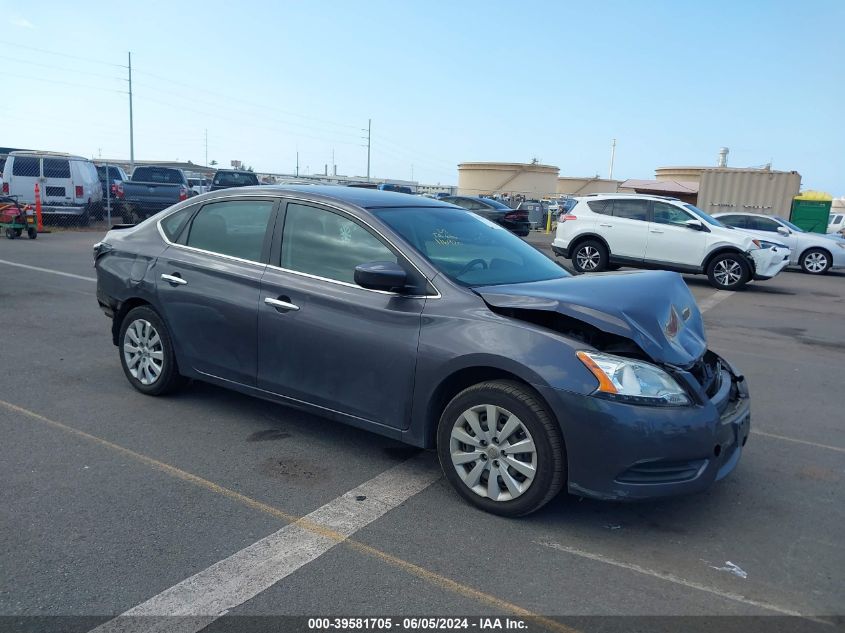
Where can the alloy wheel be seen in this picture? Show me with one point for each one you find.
(143, 351)
(588, 258)
(728, 272)
(493, 452)
(815, 262)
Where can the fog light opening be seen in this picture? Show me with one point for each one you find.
(717, 450)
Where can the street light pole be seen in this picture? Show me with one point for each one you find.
(612, 156)
(369, 137)
(131, 130)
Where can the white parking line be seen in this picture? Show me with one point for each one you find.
(671, 578)
(207, 595)
(715, 299)
(47, 270)
(838, 449)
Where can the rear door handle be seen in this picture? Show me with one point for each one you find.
(175, 280)
(656, 231)
(281, 305)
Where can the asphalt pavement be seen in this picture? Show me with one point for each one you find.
(110, 499)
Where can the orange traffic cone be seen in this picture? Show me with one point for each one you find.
(38, 207)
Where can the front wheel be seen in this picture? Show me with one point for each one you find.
(815, 261)
(728, 271)
(590, 257)
(146, 353)
(501, 449)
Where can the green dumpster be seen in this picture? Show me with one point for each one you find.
(811, 210)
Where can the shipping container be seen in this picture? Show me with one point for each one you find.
(748, 190)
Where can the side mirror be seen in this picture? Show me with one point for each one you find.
(695, 225)
(784, 231)
(388, 276)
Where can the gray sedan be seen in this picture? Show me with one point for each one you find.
(421, 321)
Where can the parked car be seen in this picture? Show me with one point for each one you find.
(513, 220)
(228, 178)
(424, 322)
(112, 185)
(389, 186)
(199, 185)
(151, 189)
(606, 230)
(813, 252)
(68, 184)
(836, 224)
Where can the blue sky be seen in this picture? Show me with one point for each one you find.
(444, 82)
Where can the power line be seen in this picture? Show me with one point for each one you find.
(65, 83)
(77, 57)
(62, 68)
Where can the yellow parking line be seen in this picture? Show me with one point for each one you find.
(433, 578)
(797, 441)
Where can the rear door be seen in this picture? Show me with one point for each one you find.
(57, 183)
(25, 172)
(626, 228)
(336, 345)
(670, 240)
(208, 285)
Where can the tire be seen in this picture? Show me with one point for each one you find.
(522, 494)
(160, 374)
(590, 256)
(128, 214)
(728, 271)
(18, 232)
(816, 261)
(10, 234)
(32, 233)
(85, 218)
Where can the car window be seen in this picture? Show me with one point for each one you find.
(173, 224)
(631, 209)
(605, 207)
(670, 214)
(762, 224)
(468, 248)
(25, 166)
(736, 221)
(56, 168)
(326, 244)
(158, 174)
(467, 203)
(236, 228)
(235, 178)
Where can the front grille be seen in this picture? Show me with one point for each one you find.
(707, 372)
(662, 472)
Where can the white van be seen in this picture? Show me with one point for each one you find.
(69, 184)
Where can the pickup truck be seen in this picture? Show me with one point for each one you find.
(152, 189)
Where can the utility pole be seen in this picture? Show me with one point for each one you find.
(206, 147)
(369, 138)
(131, 130)
(612, 156)
(297, 164)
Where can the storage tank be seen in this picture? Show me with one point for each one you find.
(748, 190)
(679, 174)
(532, 180)
(568, 185)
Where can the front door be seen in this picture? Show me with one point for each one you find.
(325, 340)
(209, 284)
(670, 240)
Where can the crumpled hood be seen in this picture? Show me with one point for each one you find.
(655, 309)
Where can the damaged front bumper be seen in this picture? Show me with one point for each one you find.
(633, 452)
(768, 262)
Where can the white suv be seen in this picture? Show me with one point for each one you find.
(610, 230)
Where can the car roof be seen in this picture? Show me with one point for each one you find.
(35, 153)
(636, 196)
(366, 198)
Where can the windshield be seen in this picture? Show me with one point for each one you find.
(790, 225)
(468, 248)
(235, 178)
(704, 216)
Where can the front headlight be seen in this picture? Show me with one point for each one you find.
(633, 381)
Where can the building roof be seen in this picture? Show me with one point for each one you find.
(660, 186)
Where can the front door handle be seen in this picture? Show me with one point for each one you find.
(610, 226)
(281, 305)
(175, 280)
(656, 231)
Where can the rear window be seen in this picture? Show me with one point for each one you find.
(23, 166)
(600, 206)
(173, 224)
(235, 179)
(158, 174)
(631, 209)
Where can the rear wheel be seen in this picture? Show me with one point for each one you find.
(816, 261)
(146, 353)
(590, 257)
(728, 271)
(31, 233)
(501, 449)
(10, 234)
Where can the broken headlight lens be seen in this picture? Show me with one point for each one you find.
(633, 381)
